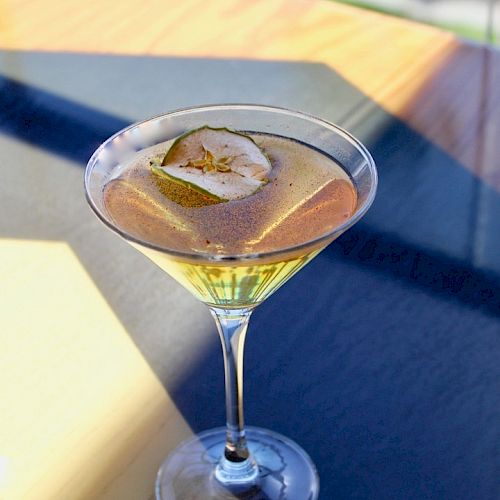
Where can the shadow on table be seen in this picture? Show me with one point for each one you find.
(380, 357)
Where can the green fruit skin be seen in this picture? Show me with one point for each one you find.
(208, 194)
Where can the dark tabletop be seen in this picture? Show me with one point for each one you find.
(382, 356)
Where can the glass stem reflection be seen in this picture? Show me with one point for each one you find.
(236, 465)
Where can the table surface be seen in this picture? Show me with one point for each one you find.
(381, 358)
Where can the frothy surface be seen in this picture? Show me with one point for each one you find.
(308, 195)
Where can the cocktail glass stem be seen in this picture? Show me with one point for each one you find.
(236, 466)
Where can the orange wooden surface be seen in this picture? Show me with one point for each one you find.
(381, 55)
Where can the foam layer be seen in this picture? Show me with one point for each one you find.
(308, 195)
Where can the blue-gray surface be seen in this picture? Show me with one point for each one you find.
(381, 357)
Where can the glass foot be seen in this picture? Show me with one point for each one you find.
(285, 470)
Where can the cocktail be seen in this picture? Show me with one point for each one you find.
(232, 201)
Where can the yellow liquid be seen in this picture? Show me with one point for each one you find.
(228, 286)
(308, 195)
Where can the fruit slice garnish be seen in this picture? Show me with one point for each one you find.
(216, 162)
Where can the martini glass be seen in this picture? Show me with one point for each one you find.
(234, 461)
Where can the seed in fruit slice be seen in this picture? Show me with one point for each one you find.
(217, 162)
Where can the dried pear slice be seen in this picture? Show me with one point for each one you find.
(216, 162)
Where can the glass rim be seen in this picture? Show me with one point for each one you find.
(202, 256)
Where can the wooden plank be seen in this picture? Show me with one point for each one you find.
(344, 38)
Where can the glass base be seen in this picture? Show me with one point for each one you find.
(285, 470)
